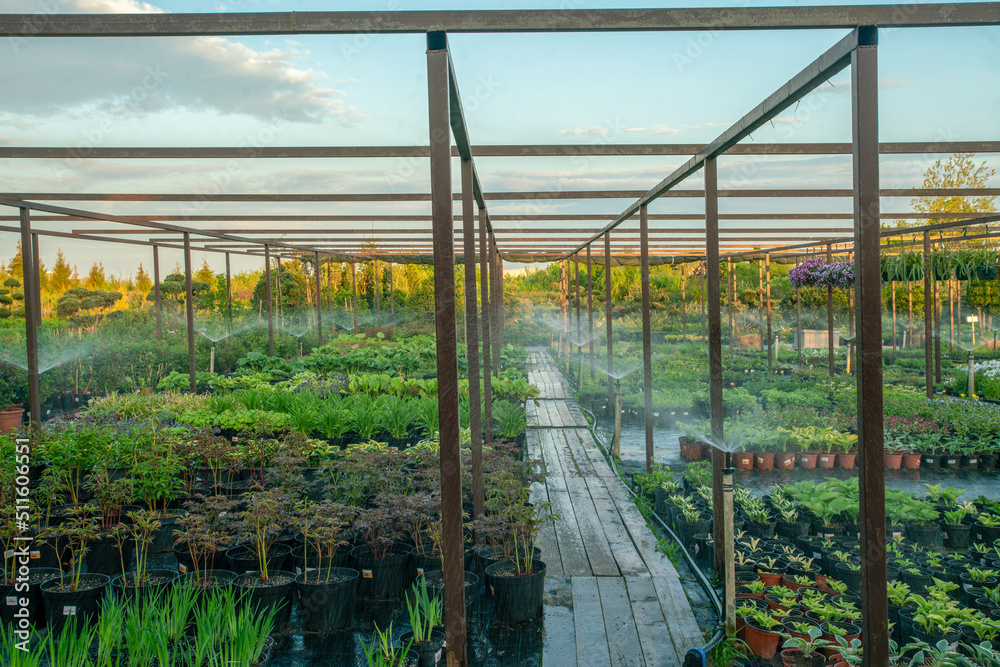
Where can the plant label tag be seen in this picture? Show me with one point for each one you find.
(437, 657)
(182, 569)
(492, 592)
(967, 586)
(9, 553)
(817, 554)
(952, 462)
(656, 414)
(824, 459)
(420, 571)
(69, 610)
(236, 438)
(298, 571)
(367, 574)
(34, 555)
(944, 535)
(973, 462)
(11, 600)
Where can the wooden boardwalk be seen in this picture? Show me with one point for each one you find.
(622, 599)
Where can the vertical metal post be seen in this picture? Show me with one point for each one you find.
(354, 295)
(721, 502)
(829, 313)
(928, 318)
(268, 300)
(892, 296)
(909, 326)
(329, 288)
(377, 285)
(647, 343)
(937, 332)
(447, 355)
(684, 315)
(730, 288)
(767, 295)
(32, 319)
(496, 301)
(484, 296)
(189, 310)
(319, 302)
(799, 338)
(157, 304)
(579, 327)
(701, 304)
(472, 337)
(36, 265)
(564, 273)
(607, 318)
(229, 294)
(392, 296)
(590, 311)
(760, 298)
(864, 97)
(277, 283)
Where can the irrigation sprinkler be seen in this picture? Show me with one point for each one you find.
(211, 359)
(972, 319)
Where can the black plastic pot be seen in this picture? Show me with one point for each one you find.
(103, 557)
(33, 612)
(918, 582)
(765, 530)
(956, 537)
(163, 539)
(327, 604)
(489, 556)
(82, 604)
(214, 561)
(124, 584)
(276, 593)
(428, 652)
(925, 536)
(850, 577)
(297, 560)
(516, 598)
(435, 584)
(243, 559)
(206, 581)
(794, 530)
(987, 534)
(382, 578)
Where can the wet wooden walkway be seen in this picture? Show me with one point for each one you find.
(611, 598)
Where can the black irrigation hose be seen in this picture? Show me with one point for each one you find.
(705, 583)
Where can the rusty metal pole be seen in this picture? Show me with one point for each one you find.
(319, 302)
(472, 337)
(799, 338)
(447, 354)
(701, 304)
(590, 311)
(565, 317)
(32, 320)
(730, 288)
(721, 502)
(157, 304)
(767, 295)
(268, 299)
(647, 343)
(867, 228)
(354, 295)
(684, 315)
(36, 264)
(377, 286)
(189, 310)
(392, 297)
(496, 301)
(760, 299)
(892, 295)
(579, 327)
(607, 319)
(484, 296)
(229, 294)
(829, 313)
(928, 318)
(937, 332)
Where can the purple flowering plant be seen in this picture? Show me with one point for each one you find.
(803, 274)
(835, 274)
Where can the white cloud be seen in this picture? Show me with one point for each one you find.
(195, 74)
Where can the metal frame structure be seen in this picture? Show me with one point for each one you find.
(679, 238)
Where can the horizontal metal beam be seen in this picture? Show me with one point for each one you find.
(492, 196)
(102, 239)
(546, 150)
(497, 21)
(382, 234)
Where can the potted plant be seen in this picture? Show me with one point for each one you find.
(73, 594)
(383, 651)
(846, 443)
(518, 584)
(381, 558)
(10, 413)
(326, 592)
(142, 527)
(269, 586)
(426, 612)
(13, 581)
(762, 635)
(954, 531)
(799, 651)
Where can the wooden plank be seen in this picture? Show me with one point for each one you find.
(574, 556)
(560, 634)
(602, 561)
(569, 466)
(655, 639)
(553, 462)
(583, 461)
(564, 414)
(547, 541)
(630, 563)
(593, 452)
(619, 624)
(591, 636)
(642, 536)
(677, 610)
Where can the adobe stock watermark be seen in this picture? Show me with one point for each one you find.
(17, 557)
(121, 109)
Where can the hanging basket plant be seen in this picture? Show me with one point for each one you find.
(835, 274)
(804, 275)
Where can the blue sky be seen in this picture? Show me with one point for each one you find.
(361, 90)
